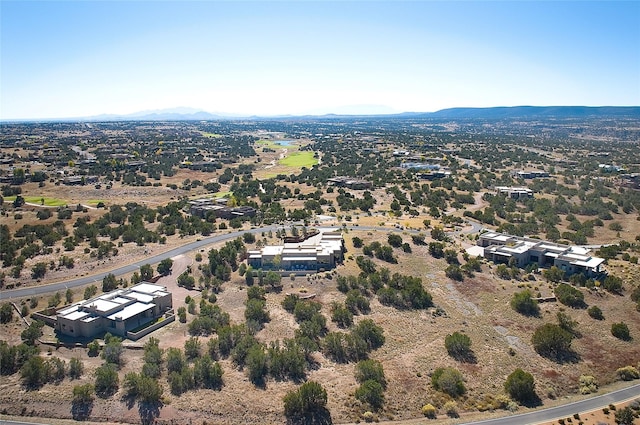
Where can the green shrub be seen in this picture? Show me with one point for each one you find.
(520, 386)
(570, 296)
(595, 312)
(372, 393)
(621, 331)
(449, 381)
(523, 303)
(308, 400)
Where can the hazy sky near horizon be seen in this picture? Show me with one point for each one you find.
(83, 58)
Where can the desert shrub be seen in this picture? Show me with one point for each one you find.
(569, 296)
(307, 401)
(107, 381)
(520, 386)
(458, 345)
(628, 373)
(83, 394)
(429, 411)
(112, 350)
(370, 333)
(551, 341)
(588, 384)
(523, 303)
(370, 370)
(6, 313)
(341, 315)
(595, 312)
(35, 372)
(449, 381)
(612, 284)
(621, 331)
(625, 416)
(372, 393)
(76, 368)
(451, 408)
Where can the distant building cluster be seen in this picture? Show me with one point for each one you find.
(320, 252)
(118, 312)
(530, 174)
(631, 180)
(433, 175)
(521, 251)
(514, 192)
(610, 168)
(350, 182)
(201, 207)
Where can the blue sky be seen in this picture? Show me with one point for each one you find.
(83, 58)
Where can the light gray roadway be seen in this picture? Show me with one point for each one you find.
(85, 280)
(566, 410)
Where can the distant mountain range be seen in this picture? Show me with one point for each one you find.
(536, 112)
(492, 113)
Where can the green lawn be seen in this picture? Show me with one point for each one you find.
(300, 159)
(49, 202)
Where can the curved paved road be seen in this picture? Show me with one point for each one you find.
(566, 410)
(85, 280)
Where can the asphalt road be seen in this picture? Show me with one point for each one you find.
(118, 271)
(566, 410)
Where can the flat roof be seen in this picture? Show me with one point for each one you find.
(301, 258)
(103, 305)
(147, 288)
(592, 262)
(130, 311)
(75, 315)
(120, 300)
(145, 298)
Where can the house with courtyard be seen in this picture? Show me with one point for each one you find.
(321, 251)
(522, 251)
(123, 312)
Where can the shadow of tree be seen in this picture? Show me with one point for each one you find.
(318, 417)
(149, 411)
(466, 357)
(81, 410)
(567, 356)
(533, 401)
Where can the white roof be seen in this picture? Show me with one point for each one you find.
(147, 288)
(103, 305)
(75, 315)
(130, 311)
(145, 298)
(592, 262)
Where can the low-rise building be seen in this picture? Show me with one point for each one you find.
(530, 174)
(320, 252)
(201, 207)
(350, 182)
(521, 251)
(433, 175)
(515, 192)
(118, 312)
